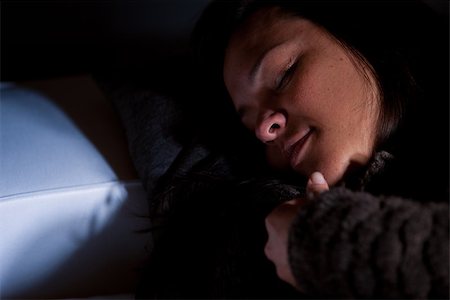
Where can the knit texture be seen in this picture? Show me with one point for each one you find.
(353, 245)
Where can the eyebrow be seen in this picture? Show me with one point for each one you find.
(257, 66)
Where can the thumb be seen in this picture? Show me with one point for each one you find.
(316, 185)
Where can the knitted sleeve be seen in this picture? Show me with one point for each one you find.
(354, 245)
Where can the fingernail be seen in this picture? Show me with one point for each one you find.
(317, 178)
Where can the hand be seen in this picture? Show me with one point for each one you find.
(278, 223)
(316, 185)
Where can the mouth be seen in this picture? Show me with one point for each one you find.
(296, 150)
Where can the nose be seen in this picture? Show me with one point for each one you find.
(270, 127)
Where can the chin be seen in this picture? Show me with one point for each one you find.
(335, 176)
(333, 173)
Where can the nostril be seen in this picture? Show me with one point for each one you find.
(270, 126)
(274, 127)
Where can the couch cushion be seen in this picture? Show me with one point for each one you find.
(70, 225)
(42, 148)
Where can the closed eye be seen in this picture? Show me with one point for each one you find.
(286, 76)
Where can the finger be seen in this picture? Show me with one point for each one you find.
(316, 185)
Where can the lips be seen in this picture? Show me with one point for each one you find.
(294, 152)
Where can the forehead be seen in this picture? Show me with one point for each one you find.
(261, 31)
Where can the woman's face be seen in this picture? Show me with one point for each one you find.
(302, 93)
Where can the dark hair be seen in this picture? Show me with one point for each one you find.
(391, 37)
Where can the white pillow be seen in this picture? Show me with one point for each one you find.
(68, 225)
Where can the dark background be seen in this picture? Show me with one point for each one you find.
(44, 39)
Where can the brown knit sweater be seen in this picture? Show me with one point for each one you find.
(353, 244)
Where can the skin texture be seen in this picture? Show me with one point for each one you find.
(306, 82)
(290, 80)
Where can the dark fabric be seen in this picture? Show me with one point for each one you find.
(368, 239)
(208, 208)
(213, 243)
(155, 126)
(353, 245)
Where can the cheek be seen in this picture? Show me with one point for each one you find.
(328, 87)
(315, 96)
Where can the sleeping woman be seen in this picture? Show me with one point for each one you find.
(335, 182)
